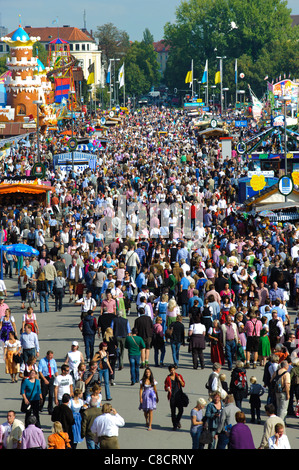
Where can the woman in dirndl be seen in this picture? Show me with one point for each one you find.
(12, 351)
(148, 396)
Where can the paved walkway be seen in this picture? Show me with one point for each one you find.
(59, 329)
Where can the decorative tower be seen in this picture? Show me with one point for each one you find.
(22, 87)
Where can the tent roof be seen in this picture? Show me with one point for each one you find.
(24, 188)
(213, 131)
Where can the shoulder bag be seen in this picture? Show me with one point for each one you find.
(25, 408)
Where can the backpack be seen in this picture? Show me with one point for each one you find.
(276, 382)
(241, 381)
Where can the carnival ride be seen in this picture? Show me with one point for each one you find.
(61, 63)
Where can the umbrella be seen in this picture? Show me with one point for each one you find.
(20, 249)
(266, 213)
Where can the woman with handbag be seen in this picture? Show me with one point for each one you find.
(104, 367)
(58, 439)
(12, 356)
(173, 386)
(31, 397)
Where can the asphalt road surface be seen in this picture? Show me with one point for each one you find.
(59, 329)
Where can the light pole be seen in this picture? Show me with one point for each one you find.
(38, 103)
(242, 92)
(199, 84)
(72, 105)
(213, 96)
(225, 103)
(112, 60)
(284, 99)
(221, 78)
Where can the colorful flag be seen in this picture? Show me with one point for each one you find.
(90, 79)
(205, 73)
(236, 71)
(121, 76)
(188, 78)
(62, 88)
(218, 75)
(108, 78)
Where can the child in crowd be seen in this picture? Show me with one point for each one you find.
(255, 392)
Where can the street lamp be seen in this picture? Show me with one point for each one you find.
(284, 100)
(199, 83)
(72, 105)
(221, 74)
(213, 96)
(225, 103)
(242, 92)
(112, 60)
(38, 103)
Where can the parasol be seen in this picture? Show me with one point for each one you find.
(20, 249)
(266, 213)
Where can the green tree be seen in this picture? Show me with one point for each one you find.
(141, 68)
(248, 30)
(113, 42)
(39, 51)
(3, 67)
(148, 38)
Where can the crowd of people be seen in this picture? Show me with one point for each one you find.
(179, 255)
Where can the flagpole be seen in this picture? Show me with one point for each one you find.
(236, 80)
(221, 86)
(192, 76)
(207, 95)
(124, 89)
(110, 82)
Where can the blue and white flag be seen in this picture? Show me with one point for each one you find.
(236, 71)
(205, 73)
(108, 78)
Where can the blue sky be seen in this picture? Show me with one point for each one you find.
(132, 16)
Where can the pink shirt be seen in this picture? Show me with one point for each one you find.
(253, 327)
(109, 305)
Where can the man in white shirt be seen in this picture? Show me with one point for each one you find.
(63, 383)
(105, 427)
(295, 250)
(87, 303)
(11, 431)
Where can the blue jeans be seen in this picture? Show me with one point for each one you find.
(195, 438)
(223, 440)
(185, 310)
(44, 301)
(50, 285)
(156, 355)
(104, 373)
(132, 270)
(90, 444)
(134, 368)
(230, 352)
(175, 349)
(163, 316)
(89, 346)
